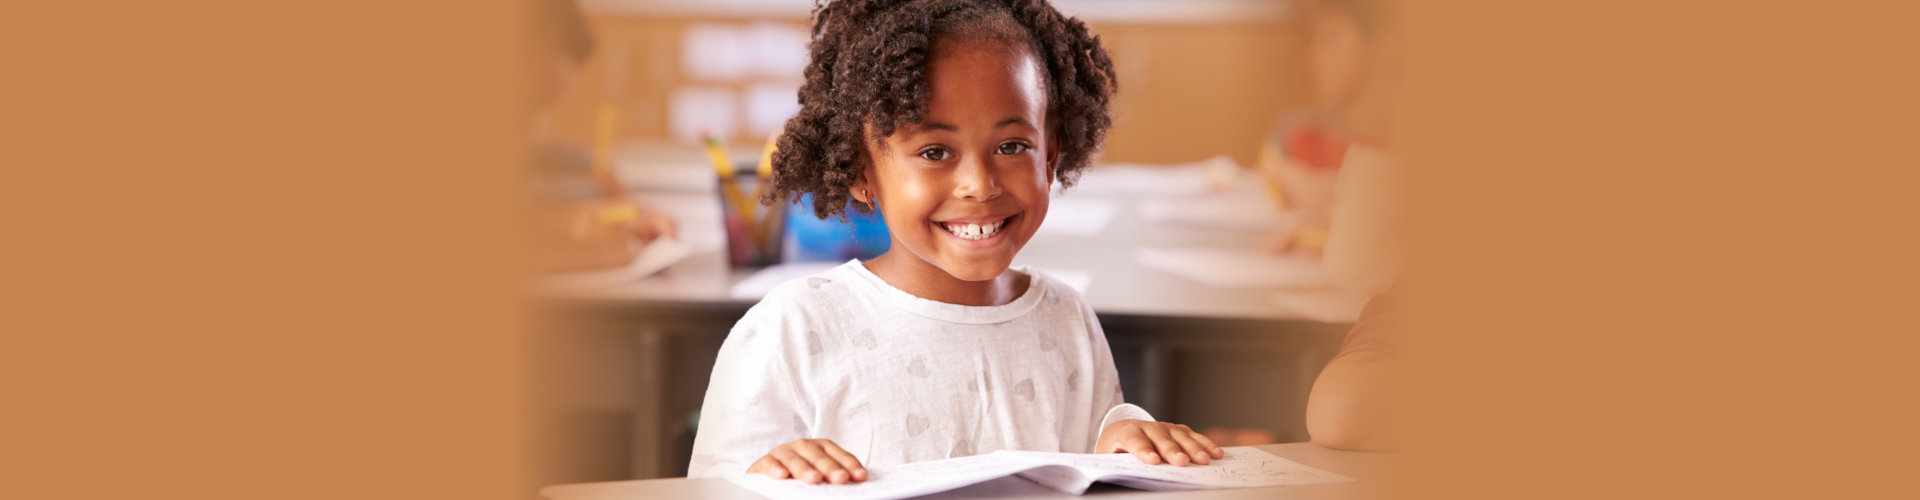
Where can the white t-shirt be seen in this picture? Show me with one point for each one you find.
(893, 378)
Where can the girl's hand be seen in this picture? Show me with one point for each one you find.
(1155, 443)
(812, 461)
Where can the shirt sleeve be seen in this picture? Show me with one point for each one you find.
(1107, 396)
(754, 400)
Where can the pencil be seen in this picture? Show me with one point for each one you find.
(729, 184)
(763, 176)
(1270, 166)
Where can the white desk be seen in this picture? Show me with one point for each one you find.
(1372, 473)
(1121, 285)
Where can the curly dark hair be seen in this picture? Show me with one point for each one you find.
(869, 57)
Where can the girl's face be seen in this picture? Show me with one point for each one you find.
(966, 188)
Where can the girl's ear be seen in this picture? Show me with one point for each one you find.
(862, 190)
(1053, 156)
(858, 191)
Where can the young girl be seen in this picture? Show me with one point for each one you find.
(952, 118)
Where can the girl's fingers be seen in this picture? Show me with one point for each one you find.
(1141, 448)
(797, 466)
(1192, 447)
(769, 467)
(856, 472)
(829, 468)
(1212, 449)
(1169, 450)
(1110, 445)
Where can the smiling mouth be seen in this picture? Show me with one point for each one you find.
(973, 231)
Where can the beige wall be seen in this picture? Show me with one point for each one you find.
(1187, 91)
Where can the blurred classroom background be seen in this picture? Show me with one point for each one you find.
(1169, 236)
(1198, 78)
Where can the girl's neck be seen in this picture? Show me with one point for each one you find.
(909, 273)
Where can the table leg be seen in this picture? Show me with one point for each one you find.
(649, 404)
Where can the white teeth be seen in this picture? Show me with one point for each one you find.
(974, 231)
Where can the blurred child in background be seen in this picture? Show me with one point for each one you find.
(582, 217)
(1354, 55)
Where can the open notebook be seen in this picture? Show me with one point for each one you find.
(1243, 466)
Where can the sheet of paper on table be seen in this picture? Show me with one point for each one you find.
(1235, 213)
(1072, 216)
(1330, 306)
(1237, 267)
(659, 254)
(1242, 467)
(1155, 180)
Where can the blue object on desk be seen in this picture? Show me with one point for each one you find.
(811, 239)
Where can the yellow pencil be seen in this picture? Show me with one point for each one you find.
(607, 120)
(729, 185)
(617, 214)
(605, 124)
(1310, 238)
(765, 170)
(718, 155)
(1270, 166)
(763, 231)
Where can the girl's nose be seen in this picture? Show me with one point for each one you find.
(974, 180)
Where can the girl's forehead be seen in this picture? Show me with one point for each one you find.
(990, 75)
(980, 50)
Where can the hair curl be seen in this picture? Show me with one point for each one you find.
(867, 68)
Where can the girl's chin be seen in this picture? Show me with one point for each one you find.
(976, 271)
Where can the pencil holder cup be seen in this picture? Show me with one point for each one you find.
(754, 231)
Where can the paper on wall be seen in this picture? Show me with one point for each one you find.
(1236, 267)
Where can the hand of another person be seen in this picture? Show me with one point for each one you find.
(652, 224)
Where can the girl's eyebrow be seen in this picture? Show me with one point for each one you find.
(1011, 121)
(933, 126)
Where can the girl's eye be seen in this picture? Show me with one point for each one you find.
(1012, 148)
(936, 154)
